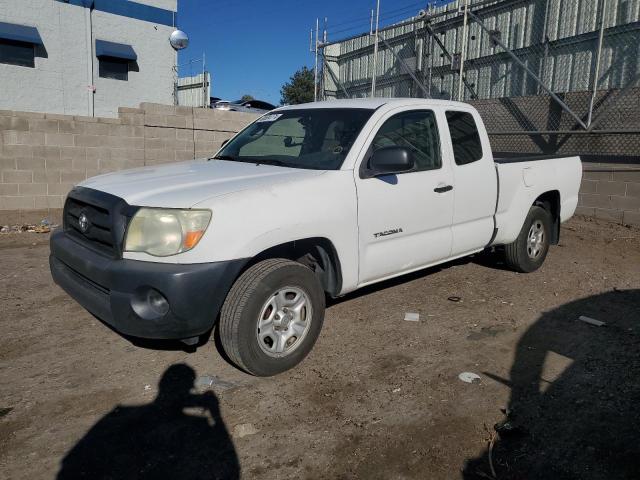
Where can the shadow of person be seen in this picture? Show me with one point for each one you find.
(585, 423)
(179, 435)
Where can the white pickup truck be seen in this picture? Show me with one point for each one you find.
(307, 201)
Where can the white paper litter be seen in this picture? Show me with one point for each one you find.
(412, 317)
(469, 377)
(591, 321)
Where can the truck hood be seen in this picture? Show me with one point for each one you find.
(184, 184)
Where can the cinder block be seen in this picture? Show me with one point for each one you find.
(59, 188)
(594, 200)
(627, 175)
(96, 129)
(625, 203)
(57, 116)
(184, 134)
(157, 108)
(7, 163)
(59, 139)
(22, 138)
(49, 201)
(71, 126)
(129, 110)
(17, 176)
(125, 131)
(17, 202)
(132, 119)
(89, 140)
(47, 126)
(8, 188)
(98, 153)
(73, 176)
(159, 132)
(155, 120)
(59, 164)
(633, 190)
(611, 188)
(631, 218)
(46, 176)
(204, 136)
(127, 154)
(183, 155)
(184, 111)
(109, 121)
(610, 215)
(48, 152)
(152, 143)
(16, 151)
(14, 123)
(176, 121)
(30, 163)
(37, 115)
(32, 189)
(74, 153)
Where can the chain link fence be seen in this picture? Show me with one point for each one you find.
(532, 67)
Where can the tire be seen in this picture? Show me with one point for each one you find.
(525, 256)
(272, 293)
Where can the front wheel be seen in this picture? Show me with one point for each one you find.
(529, 250)
(272, 317)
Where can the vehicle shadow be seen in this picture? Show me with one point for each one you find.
(178, 435)
(584, 423)
(493, 259)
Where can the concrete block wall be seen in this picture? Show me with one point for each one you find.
(611, 192)
(43, 155)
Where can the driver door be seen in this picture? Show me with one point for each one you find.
(405, 219)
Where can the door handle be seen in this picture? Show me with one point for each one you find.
(443, 189)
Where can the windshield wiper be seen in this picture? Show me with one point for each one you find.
(269, 161)
(223, 157)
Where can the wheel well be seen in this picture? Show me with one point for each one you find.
(317, 253)
(550, 201)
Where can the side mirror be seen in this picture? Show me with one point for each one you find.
(389, 160)
(224, 142)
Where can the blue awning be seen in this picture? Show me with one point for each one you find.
(115, 50)
(20, 33)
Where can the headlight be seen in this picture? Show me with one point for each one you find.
(163, 232)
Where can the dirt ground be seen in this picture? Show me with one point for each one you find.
(378, 398)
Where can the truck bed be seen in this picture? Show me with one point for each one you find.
(524, 157)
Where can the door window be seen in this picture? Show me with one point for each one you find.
(415, 130)
(464, 137)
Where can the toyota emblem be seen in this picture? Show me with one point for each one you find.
(83, 222)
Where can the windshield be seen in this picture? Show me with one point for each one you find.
(315, 138)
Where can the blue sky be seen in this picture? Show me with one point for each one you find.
(254, 46)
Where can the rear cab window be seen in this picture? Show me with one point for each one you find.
(465, 139)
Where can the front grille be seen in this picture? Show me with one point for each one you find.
(106, 217)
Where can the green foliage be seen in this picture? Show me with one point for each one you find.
(299, 88)
(246, 98)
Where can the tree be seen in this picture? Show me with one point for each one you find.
(246, 98)
(299, 88)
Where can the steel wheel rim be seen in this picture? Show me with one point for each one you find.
(284, 321)
(535, 239)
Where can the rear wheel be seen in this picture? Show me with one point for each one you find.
(272, 317)
(528, 252)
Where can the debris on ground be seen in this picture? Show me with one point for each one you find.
(244, 430)
(5, 411)
(45, 226)
(469, 377)
(591, 321)
(412, 317)
(210, 381)
(454, 298)
(147, 388)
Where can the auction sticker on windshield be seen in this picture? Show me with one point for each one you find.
(272, 117)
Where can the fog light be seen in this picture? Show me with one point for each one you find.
(149, 304)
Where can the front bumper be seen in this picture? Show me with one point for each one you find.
(124, 293)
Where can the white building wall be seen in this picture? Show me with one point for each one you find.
(61, 81)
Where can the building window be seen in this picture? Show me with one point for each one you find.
(115, 68)
(17, 53)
